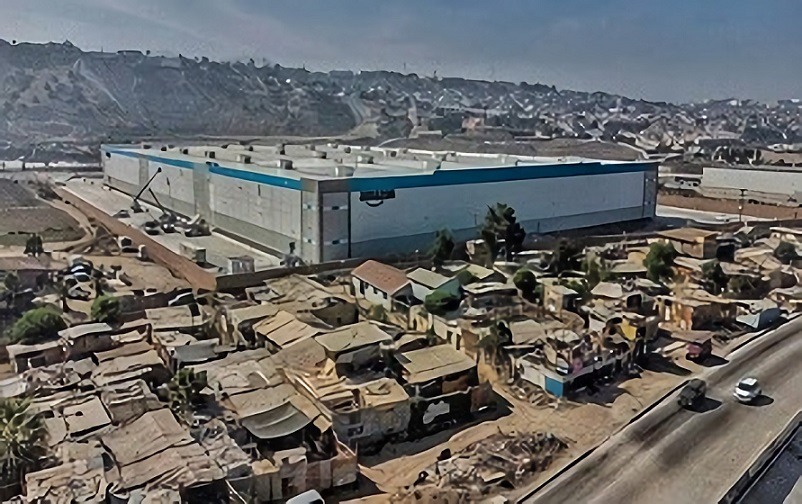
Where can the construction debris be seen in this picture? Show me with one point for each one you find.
(502, 460)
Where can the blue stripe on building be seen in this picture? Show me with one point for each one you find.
(437, 179)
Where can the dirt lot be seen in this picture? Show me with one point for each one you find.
(21, 213)
(729, 206)
(582, 423)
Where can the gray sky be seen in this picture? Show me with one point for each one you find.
(660, 50)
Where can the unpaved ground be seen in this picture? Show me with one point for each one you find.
(729, 206)
(582, 424)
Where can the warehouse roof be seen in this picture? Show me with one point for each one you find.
(368, 168)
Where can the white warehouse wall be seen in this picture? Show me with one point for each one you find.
(428, 209)
(273, 208)
(174, 183)
(122, 168)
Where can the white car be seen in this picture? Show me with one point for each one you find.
(308, 497)
(747, 390)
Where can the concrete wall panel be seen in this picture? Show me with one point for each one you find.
(122, 168)
(428, 209)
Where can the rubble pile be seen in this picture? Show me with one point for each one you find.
(502, 460)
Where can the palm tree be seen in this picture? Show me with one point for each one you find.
(22, 440)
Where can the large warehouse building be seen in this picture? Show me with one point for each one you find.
(756, 180)
(336, 202)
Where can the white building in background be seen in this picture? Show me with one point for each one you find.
(335, 202)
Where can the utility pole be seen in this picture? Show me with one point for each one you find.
(741, 206)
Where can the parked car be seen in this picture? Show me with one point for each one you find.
(747, 390)
(308, 497)
(692, 393)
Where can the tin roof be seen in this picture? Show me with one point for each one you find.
(434, 362)
(352, 337)
(428, 278)
(384, 277)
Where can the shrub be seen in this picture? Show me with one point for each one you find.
(440, 302)
(39, 324)
(106, 309)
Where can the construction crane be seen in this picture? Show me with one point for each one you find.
(135, 206)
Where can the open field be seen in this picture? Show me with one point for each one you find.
(22, 213)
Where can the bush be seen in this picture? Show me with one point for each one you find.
(440, 302)
(106, 309)
(658, 262)
(37, 325)
(525, 281)
(465, 277)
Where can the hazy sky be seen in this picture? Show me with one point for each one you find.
(672, 50)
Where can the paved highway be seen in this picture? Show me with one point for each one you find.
(671, 455)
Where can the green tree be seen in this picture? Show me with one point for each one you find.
(785, 252)
(442, 248)
(440, 302)
(715, 281)
(658, 262)
(501, 224)
(525, 281)
(565, 257)
(184, 390)
(377, 313)
(580, 288)
(106, 309)
(22, 440)
(39, 324)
